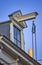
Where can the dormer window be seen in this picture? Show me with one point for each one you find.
(17, 40)
(13, 29)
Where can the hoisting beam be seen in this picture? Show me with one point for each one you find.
(26, 17)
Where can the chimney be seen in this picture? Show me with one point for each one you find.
(30, 52)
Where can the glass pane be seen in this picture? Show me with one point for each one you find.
(18, 35)
(15, 41)
(18, 43)
(15, 35)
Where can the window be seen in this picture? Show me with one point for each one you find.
(17, 36)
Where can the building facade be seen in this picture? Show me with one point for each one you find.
(12, 42)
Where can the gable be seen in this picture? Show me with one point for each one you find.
(17, 14)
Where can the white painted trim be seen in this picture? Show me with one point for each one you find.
(14, 23)
(22, 40)
(7, 58)
(11, 32)
(14, 51)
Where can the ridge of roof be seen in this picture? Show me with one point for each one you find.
(15, 12)
(5, 21)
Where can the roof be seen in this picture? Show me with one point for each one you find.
(22, 24)
(16, 14)
(9, 21)
(3, 22)
(21, 54)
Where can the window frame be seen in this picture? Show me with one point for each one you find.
(16, 39)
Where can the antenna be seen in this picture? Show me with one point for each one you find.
(34, 44)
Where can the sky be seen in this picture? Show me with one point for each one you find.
(26, 6)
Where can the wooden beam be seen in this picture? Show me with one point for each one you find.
(26, 17)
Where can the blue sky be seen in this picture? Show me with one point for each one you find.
(26, 6)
